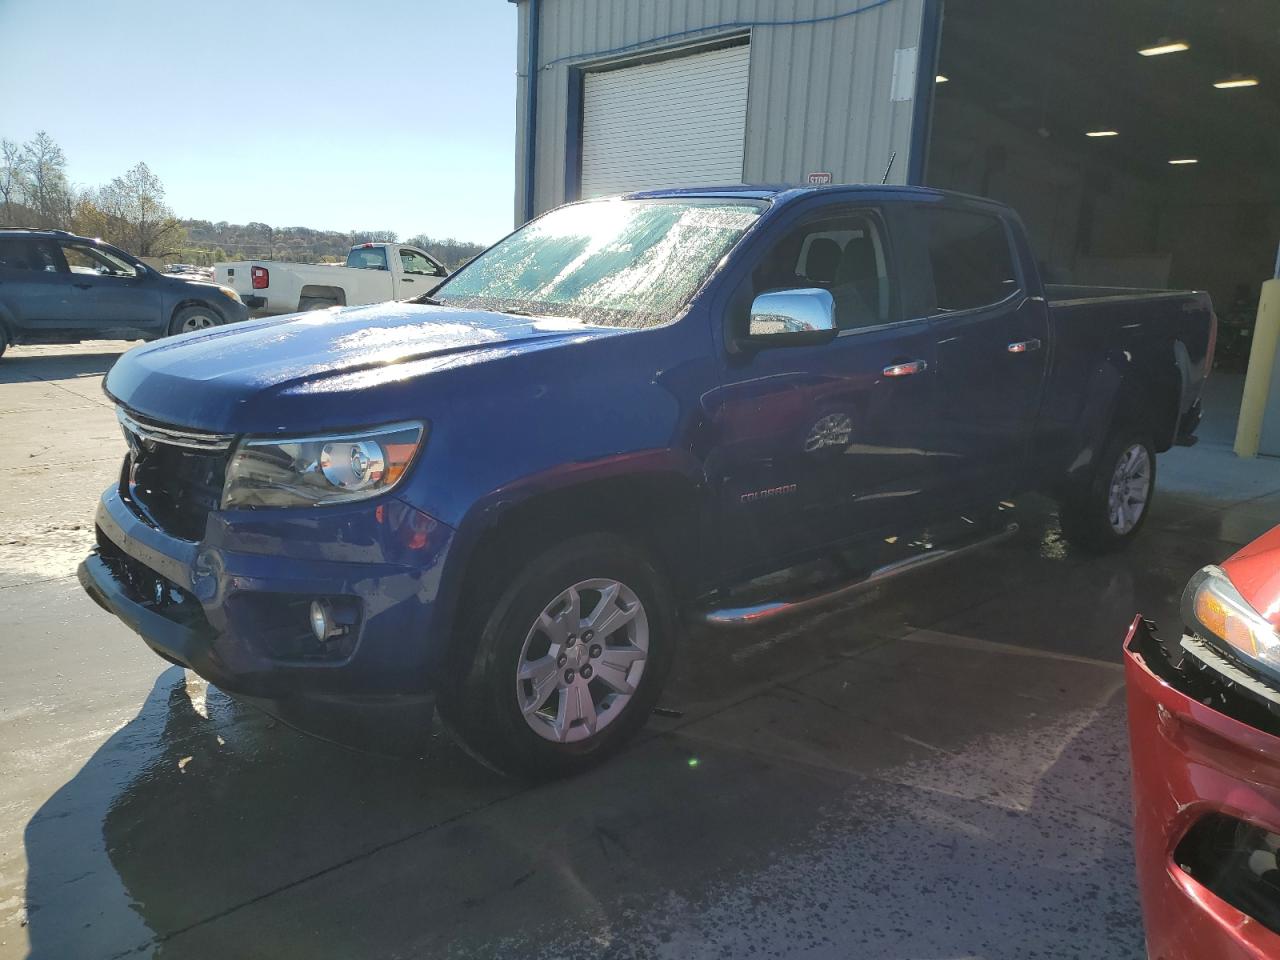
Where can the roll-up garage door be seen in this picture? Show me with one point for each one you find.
(673, 123)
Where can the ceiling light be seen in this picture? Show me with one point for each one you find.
(1163, 46)
(1102, 133)
(940, 79)
(1181, 161)
(1235, 80)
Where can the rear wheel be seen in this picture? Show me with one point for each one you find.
(1110, 511)
(569, 661)
(307, 304)
(197, 317)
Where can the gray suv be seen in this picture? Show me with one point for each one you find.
(56, 287)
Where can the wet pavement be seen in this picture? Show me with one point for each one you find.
(936, 770)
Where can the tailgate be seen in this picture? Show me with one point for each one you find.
(236, 276)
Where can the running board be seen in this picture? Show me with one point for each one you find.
(779, 609)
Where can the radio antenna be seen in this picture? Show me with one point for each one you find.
(892, 157)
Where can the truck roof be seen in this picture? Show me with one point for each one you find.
(787, 192)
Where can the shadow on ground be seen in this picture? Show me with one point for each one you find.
(17, 365)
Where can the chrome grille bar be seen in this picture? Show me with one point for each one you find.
(190, 439)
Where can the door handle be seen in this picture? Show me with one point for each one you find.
(82, 286)
(905, 369)
(406, 280)
(1024, 346)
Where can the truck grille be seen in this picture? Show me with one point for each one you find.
(173, 478)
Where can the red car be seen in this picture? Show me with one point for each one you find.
(1204, 730)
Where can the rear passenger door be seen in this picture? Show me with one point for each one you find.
(991, 344)
(34, 286)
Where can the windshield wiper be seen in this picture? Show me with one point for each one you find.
(428, 299)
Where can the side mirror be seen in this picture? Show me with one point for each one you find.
(792, 318)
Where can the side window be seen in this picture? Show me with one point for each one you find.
(847, 255)
(21, 253)
(368, 258)
(970, 257)
(15, 254)
(413, 262)
(90, 260)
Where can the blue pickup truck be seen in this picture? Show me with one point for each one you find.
(718, 405)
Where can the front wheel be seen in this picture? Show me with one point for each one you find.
(1109, 512)
(197, 317)
(569, 662)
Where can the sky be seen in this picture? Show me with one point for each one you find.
(324, 114)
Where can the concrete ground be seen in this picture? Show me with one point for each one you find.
(937, 770)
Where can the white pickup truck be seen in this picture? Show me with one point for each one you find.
(374, 272)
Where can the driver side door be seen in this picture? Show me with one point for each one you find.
(823, 444)
(419, 274)
(109, 296)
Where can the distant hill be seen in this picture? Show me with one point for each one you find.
(207, 243)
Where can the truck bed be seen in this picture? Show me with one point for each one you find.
(1101, 337)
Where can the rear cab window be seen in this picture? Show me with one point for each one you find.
(969, 257)
(368, 258)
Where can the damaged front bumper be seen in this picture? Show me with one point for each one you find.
(1206, 792)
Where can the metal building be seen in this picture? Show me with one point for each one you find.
(648, 93)
(1139, 141)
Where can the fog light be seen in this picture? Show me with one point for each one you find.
(322, 623)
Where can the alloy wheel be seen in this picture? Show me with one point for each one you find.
(1130, 489)
(582, 660)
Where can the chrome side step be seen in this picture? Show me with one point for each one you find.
(779, 609)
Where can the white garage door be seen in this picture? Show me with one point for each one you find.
(674, 123)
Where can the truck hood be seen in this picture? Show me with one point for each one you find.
(267, 376)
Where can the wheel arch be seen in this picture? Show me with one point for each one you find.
(194, 302)
(314, 291)
(660, 510)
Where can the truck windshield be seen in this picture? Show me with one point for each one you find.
(630, 263)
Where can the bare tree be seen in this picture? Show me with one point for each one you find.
(48, 193)
(136, 216)
(13, 179)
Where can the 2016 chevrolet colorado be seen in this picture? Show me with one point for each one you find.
(629, 412)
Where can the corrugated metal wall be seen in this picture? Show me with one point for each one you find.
(819, 97)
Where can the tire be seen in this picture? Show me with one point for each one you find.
(1089, 517)
(525, 727)
(307, 304)
(4, 340)
(195, 317)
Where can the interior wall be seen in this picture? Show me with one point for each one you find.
(1094, 224)
(1089, 224)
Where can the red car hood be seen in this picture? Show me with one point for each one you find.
(1255, 572)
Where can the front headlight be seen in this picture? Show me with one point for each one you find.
(228, 292)
(311, 471)
(1212, 605)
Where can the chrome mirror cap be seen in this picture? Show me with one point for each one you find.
(792, 317)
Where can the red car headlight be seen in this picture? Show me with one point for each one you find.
(1213, 606)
